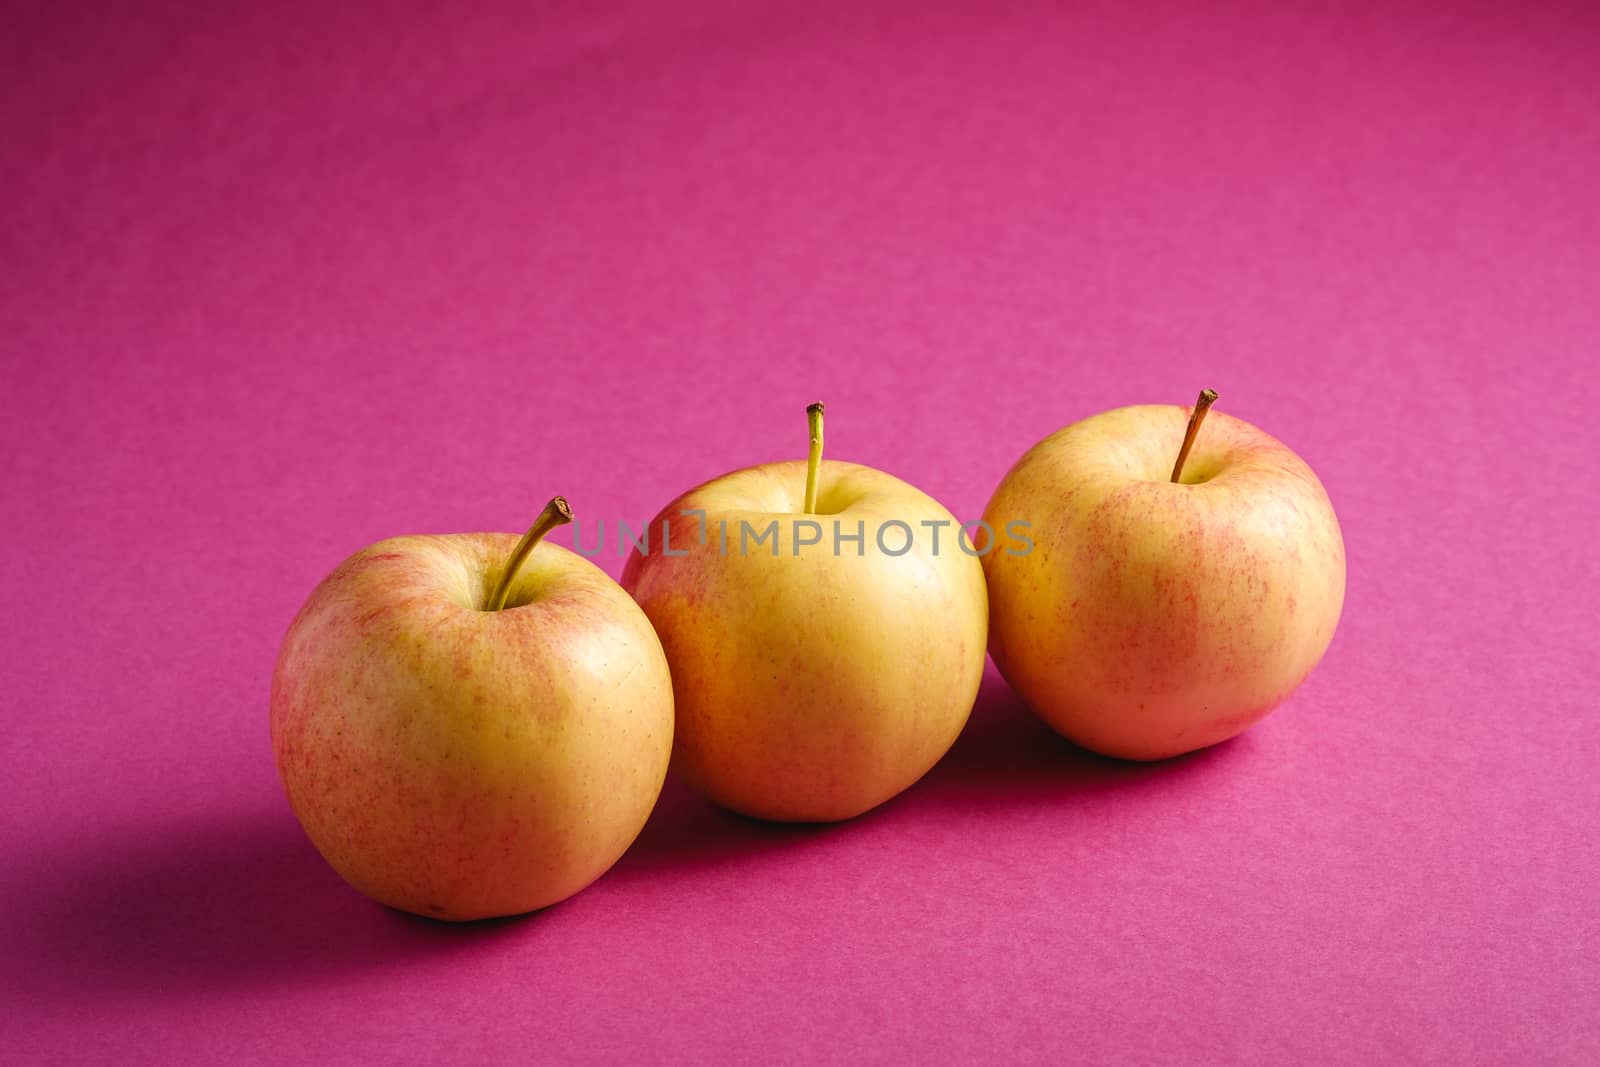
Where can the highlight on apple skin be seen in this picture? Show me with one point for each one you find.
(462, 762)
(811, 684)
(1156, 614)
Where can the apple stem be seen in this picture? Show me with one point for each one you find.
(1201, 406)
(556, 513)
(814, 460)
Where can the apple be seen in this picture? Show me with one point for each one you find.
(1156, 613)
(821, 670)
(471, 726)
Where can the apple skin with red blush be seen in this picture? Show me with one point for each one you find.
(460, 762)
(1153, 617)
(812, 684)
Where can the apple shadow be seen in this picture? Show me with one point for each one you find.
(193, 907)
(1008, 757)
(687, 830)
(1005, 758)
(244, 900)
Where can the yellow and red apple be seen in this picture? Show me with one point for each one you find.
(1156, 613)
(825, 648)
(471, 726)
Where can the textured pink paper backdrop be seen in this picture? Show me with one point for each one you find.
(279, 283)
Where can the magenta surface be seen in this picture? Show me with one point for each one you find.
(279, 284)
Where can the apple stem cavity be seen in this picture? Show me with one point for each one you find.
(814, 460)
(556, 513)
(1201, 406)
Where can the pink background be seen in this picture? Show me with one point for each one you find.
(281, 283)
